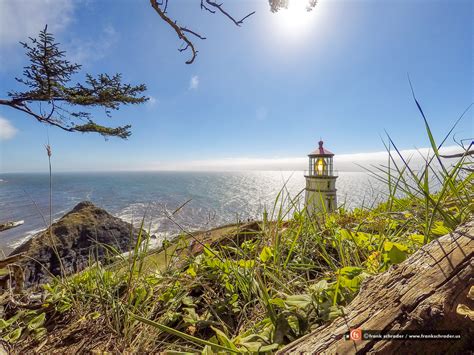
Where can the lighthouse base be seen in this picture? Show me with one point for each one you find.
(320, 194)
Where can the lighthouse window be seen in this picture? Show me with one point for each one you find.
(320, 166)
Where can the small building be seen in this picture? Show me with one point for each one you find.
(320, 194)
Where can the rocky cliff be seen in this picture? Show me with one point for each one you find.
(85, 234)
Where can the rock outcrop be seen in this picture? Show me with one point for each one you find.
(85, 234)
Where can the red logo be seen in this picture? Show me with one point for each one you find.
(355, 334)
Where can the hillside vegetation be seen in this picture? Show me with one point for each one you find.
(246, 288)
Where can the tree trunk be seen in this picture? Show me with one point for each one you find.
(422, 293)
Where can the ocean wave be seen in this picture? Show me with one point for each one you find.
(29, 234)
(215, 198)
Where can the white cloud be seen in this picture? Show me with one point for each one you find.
(194, 82)
(342, 162)
(261, 113)
(7, 131)
(22, 19)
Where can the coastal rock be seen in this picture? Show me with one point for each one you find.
(84, 235)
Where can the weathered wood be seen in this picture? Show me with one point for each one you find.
(422, 293)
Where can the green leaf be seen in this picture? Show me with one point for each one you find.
(177, 333)
(190, 316)
(223, 339)
(334, 312)
(248, 264)
(278, 302)
(319, 287)
(207, 350)
(14, 335)
(3, 323)
(298, 301)
(396, 252)
(188, 301)
(350, 271)
(417, 238)
(268, 348)
(251, 346)
(266, 254)
(191, 271)
(37, 321)
(440, 229)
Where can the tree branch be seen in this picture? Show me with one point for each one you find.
(179, 30)
(207, 5)
(226, 14)
(121, 131)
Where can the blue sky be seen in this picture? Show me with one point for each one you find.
(264, 92)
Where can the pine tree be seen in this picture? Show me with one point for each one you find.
(51, 99)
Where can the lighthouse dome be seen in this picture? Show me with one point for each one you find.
(321, 151)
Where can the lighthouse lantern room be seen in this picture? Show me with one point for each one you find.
(320, 193)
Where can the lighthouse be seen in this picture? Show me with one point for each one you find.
(320, 194)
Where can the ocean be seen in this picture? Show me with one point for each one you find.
(210, 198)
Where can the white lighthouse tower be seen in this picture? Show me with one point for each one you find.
(320, 193)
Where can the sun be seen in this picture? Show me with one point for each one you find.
(296, 18)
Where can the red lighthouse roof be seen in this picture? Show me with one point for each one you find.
(321, 151)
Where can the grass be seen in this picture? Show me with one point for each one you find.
(251, 289)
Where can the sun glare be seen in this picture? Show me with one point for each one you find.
(296, 18)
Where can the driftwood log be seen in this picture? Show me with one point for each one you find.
(428, 291)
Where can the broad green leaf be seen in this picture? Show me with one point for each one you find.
(298, 301)
(440, 229)
(396, 252)
(417, 238)
(223, 339)
(350, 271)
(175, 332)
(251, 346)
(188, 301)
(266, 254)
(319, 286)
(191, 271)
(37, 322)
(207, 350)
(190, 316)
(246, 263)
(3, 323)
(345, 234)
(334, 312)
(269, 348)
(14, 335)
(278, 302)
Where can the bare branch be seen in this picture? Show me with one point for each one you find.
(225, 13)
(207, 5)
(184, 29)
(203, 6)
(179, 30)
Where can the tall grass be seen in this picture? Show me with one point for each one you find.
(264, 286)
